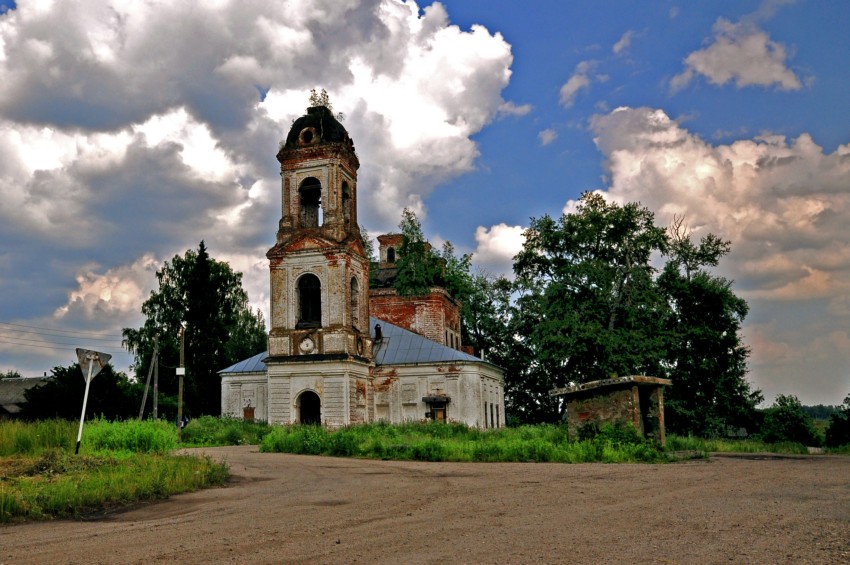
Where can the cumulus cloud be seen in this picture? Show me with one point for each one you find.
(742, 53)
(131, 131)
(496, 247)
(782, 202)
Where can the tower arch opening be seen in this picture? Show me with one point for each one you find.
(355, 302)
(310, 199)
(347, 211)
(309, 293)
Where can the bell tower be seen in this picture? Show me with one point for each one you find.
(320, 350)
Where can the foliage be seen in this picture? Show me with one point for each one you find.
(591, 305)
(31, 438)
(220, 328)
(417, 266)
(587, 305)
(457, 442)
(213, 431)
(150, 436)
(838, 433)
(11, 374)
(785, 420)
(323, 99)
(111, 395)
(706, 357)
(368, 245)
(821, 411)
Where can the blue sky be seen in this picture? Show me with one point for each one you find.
(129, 132)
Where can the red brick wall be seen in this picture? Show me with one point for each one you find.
(430, 316)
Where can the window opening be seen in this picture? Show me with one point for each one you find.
(346, 205)
(309, 302)
(390, 255)
(311, 203)
(355, 303)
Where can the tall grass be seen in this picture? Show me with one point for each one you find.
(456, 442)
(120, 463)
(208, 431)
(61, 485)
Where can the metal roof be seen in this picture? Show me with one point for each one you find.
(398, 346)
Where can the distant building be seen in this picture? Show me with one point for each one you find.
(341, 352)
(12, 393)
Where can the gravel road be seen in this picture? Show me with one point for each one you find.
(283, 508)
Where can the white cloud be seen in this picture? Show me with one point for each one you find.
(623, 43)
(742, 53)
(547, 136)
(134, 130)
(577, 82)
(783, 204)
(497, 245)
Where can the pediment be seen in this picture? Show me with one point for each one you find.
(308, 242)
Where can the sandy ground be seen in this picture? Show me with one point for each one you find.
(298, 509)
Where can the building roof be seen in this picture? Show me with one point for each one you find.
(12, 392)
(398, 346)
(617, 382)
(323, 122)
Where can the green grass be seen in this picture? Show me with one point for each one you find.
(208, 431)
(722, 445)
(456, 442)
(120, 463)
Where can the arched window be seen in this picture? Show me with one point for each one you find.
(309, 302)
(355, 303)
(310, 195)
(346, 204)
(390, 255)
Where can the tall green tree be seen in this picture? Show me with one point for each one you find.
(785, 420)
(206, 297)
(587, 305)
(706, 357)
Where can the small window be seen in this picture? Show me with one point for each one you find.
(390, 255)
(309, 302)
(346, 205)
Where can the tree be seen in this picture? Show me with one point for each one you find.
(706, 357)
(111, 395)
(785, 420)
(838, 432)
(220, 329)
(417, 269)
(11, 374)
(587, 306)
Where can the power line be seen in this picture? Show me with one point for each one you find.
(51, 346)
(58, 331)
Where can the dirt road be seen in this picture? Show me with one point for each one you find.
(298, 509)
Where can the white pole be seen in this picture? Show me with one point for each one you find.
(90, 359)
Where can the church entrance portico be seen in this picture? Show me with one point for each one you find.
(308, 408)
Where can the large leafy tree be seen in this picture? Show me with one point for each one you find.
(587, 305)
(417, 267)
(706, 358)
(838, 432)
(205, 297)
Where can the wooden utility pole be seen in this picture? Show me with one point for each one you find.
(181, 370)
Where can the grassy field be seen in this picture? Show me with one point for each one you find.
(456, 442)
(120, 463)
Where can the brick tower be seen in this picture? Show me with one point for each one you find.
(320, 350)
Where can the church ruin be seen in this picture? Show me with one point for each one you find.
(339, 351)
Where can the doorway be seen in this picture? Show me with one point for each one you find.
(309, 407)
